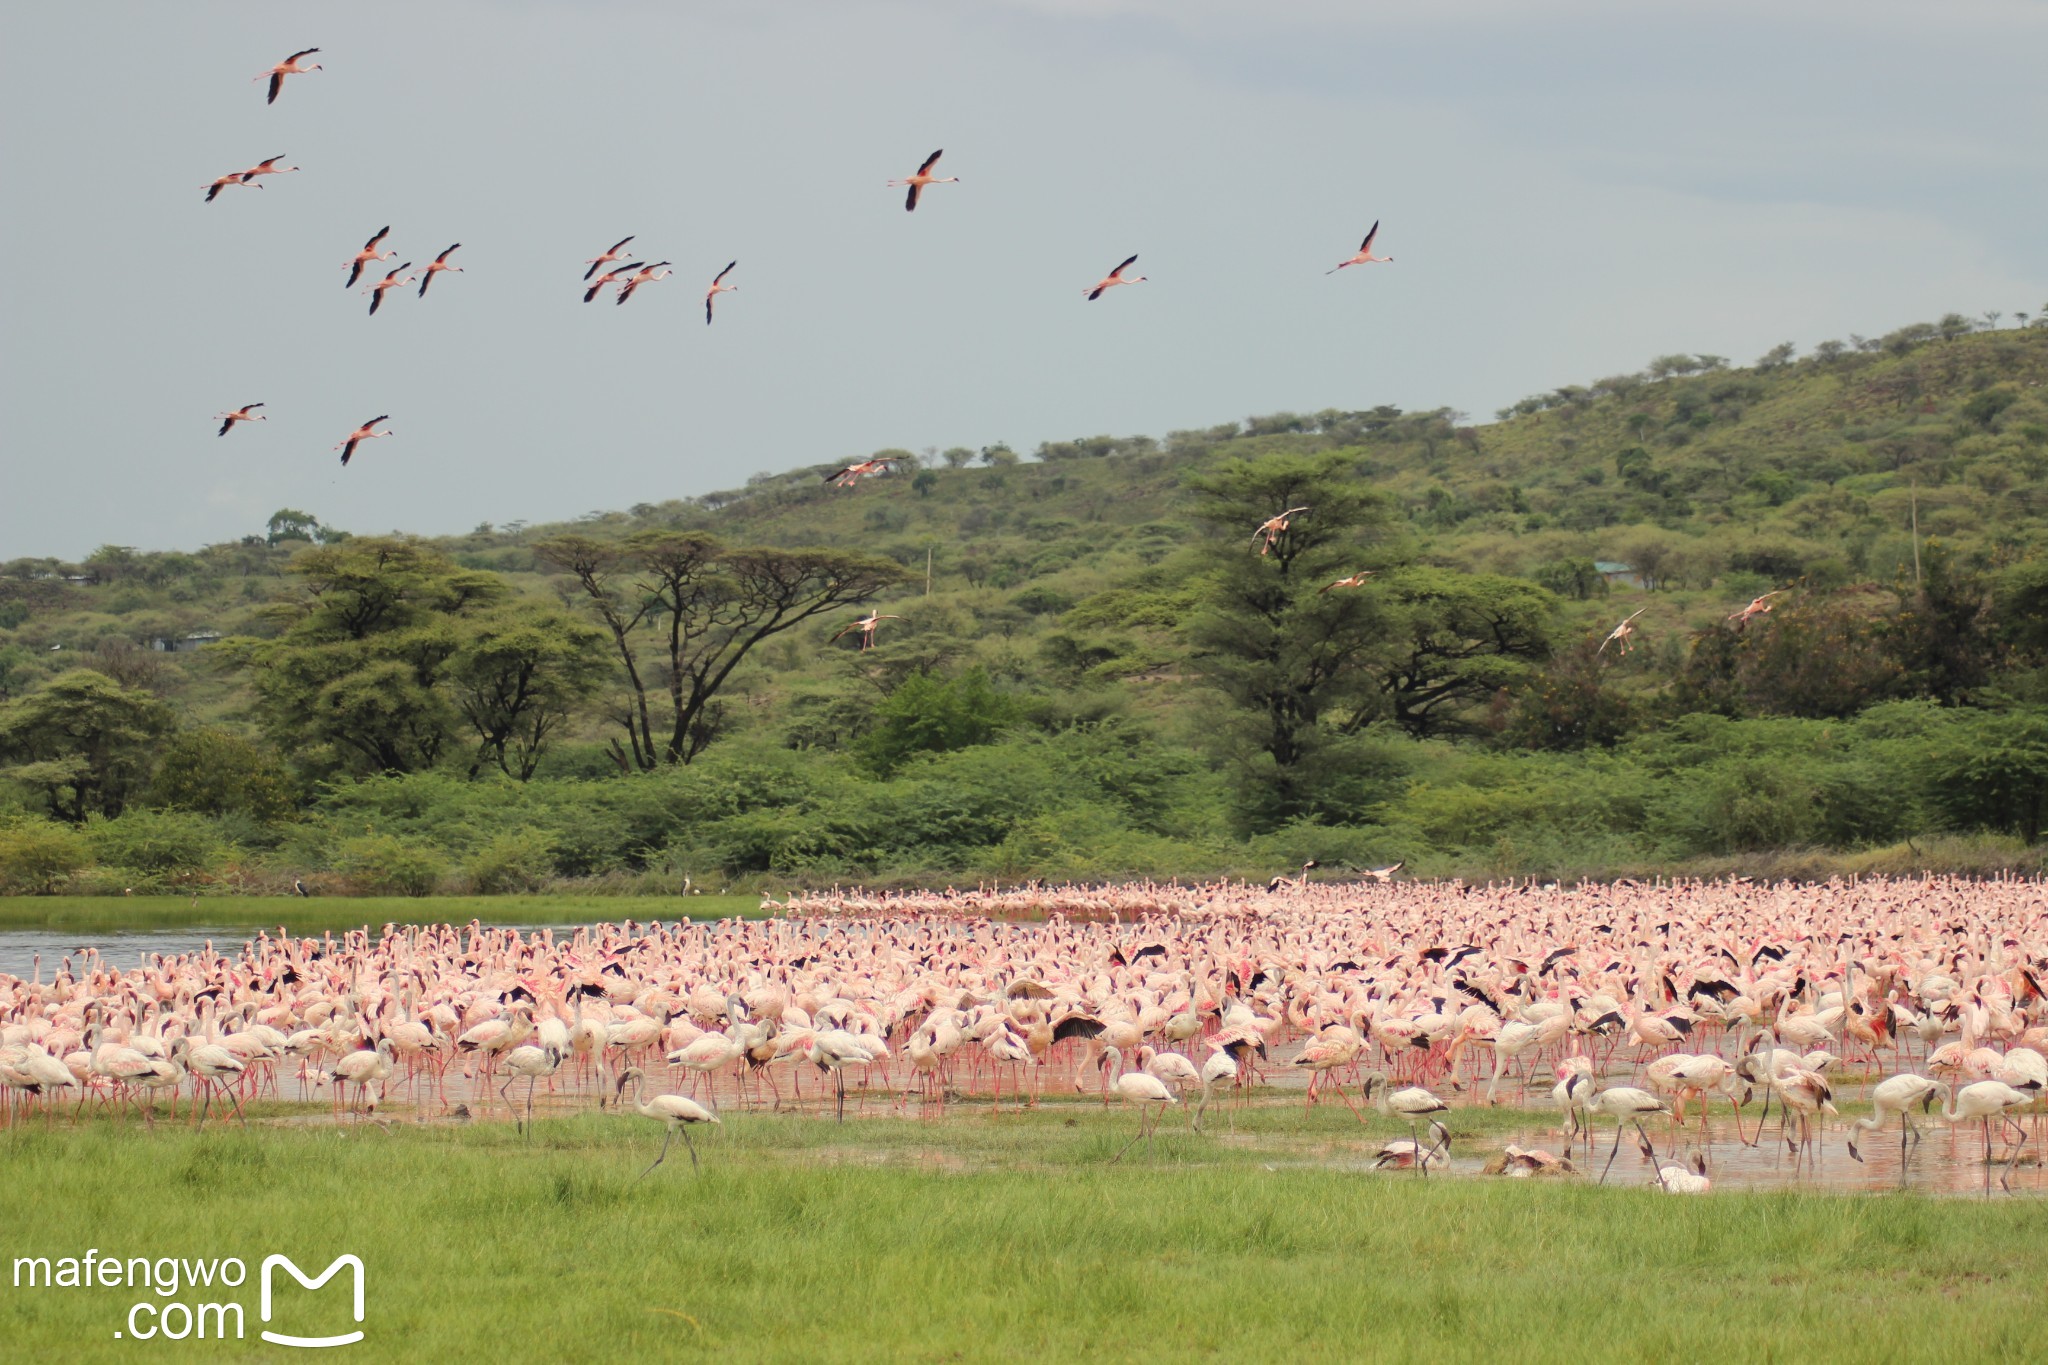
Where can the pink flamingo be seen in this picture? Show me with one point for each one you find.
(1364, 255)
(436, 266)
(288, 67)
(648, 274)
(1114, 278)
(246, 413)
(1619, 635)
(366, 255)
(390, 281)
(718, 287)
(214, 187)
(615, 252)
(923, 177)
(268, 166)
(866, 626)
(358, 436)
(609, 277)
(858, 470)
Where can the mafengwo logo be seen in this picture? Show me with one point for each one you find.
(179, 1313)
(274, 1262)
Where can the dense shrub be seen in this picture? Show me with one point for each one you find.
(166, 843)
(36, 856)
(386, 865)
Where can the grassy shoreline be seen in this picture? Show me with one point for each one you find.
(1013, 1239)
(318, 914)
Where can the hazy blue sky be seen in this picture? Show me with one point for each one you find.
(1567, 189)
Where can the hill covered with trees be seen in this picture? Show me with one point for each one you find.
(1088, 664)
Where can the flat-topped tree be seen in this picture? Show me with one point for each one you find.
(695, 607)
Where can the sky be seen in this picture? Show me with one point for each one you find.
(1567, 188)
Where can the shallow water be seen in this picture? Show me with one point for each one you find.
(19, 948)
(1945, 1160)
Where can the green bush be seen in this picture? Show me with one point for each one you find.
(214, 772)
(934, 715)
(520, 861)
(36, 856)
(386, 865)
(169, 843)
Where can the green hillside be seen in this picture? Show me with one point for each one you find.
(1095, 671)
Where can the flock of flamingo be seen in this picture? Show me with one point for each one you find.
(627, 276)
(1639, 1005)
(610, 268)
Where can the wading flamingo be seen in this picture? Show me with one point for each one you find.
(675, 1112)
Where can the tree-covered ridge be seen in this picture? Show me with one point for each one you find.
(1413, 668)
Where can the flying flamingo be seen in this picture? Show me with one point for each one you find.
(436, 266)
(214, 187)
(1364, 255)
(615, 252)
(1356, 580)
(717, 288)
(646, 275)
(390, 281)
(366, 255)
(1619, 635)
(1758, 607)
(358, 436)
(609, 277)
(855, 472)
(676, 1112)
(924, 177)
(246, 413)
(1296, 883)
(1113, 279)
(1272, 528)
(866, 626)
(268, 166)
(288, 67)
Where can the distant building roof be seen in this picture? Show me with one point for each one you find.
(1610, 566)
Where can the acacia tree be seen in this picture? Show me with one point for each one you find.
(389, 647)
(83, 741)
(683, 610)
(1454, 641)
(518, 677)
(1294, 661)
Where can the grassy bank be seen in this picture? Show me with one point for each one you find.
(800, 1239)
(319, 914)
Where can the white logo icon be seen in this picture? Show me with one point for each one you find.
(263, 1310)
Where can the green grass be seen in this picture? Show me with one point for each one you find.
(983, 1240)
(317, 914)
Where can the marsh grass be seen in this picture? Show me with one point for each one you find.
(320, 914)
(992, 1239)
